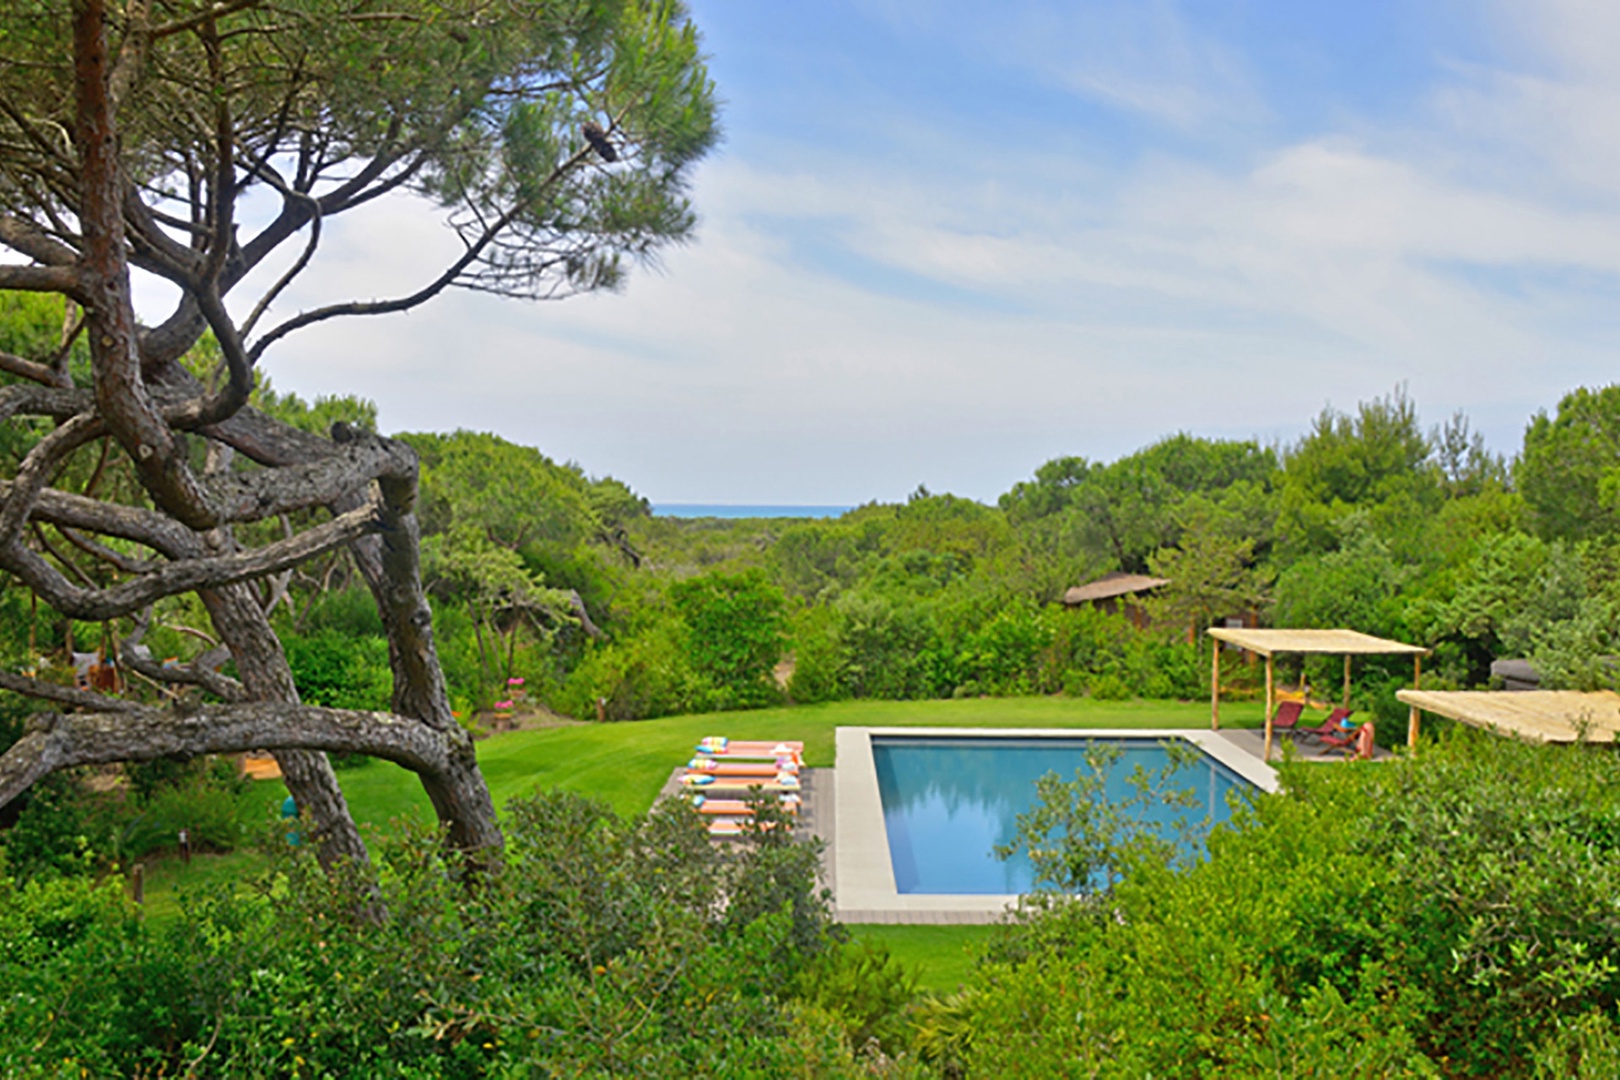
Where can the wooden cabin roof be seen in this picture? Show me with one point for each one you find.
(1112, 585)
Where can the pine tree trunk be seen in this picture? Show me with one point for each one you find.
(391, 565)
(265, 674)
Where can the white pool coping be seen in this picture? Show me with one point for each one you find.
(864, 873)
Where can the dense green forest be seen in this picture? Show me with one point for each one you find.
(1369, 520)
(542, 573)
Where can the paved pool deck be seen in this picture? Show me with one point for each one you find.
(860, 871)
(1252, 741)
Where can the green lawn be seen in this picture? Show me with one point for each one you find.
(941, 956)
(625, 764)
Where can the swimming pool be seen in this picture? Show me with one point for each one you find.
(861, 871)
(949, 801)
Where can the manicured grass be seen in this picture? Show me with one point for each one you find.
(167, 878)
(626, 764)
(941, 956)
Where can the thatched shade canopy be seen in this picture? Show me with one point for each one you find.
(1331, 642)
(1345, 643)
(1540, 716)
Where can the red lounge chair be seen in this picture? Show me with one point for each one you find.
(1333, 725)
(1285, 720)
(1346, 739)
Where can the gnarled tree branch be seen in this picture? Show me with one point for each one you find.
(51, 279)
(145, 734)
(64, 695)
(187, 575)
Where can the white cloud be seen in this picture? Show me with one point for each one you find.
(958, 323)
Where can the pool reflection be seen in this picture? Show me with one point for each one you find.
(947, 802)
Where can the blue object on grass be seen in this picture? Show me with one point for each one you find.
(289, 811)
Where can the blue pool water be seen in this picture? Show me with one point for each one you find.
(948, 801)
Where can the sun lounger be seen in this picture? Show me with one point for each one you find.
(1358, 742)
(742, 768)
(1333, 725)
(1343, 739)
(703, 804)
(733, 749)
(731, 827)
(706, 782)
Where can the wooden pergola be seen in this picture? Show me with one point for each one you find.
(1539, 716)
(1346, 643)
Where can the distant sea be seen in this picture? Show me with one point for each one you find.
(744, 510)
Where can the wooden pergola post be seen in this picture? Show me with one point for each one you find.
(1268, 705)
(1412, 717)
(1215, 687)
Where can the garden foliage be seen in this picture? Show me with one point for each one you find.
(1446, 916)
(1452, 915)
(600, 947)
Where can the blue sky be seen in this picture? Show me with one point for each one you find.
(944, 242)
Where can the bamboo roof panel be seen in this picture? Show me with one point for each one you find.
(1541, 716)
(1333, 642)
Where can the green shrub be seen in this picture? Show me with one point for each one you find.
(351, 612)
(600, 947)
(209, 811)
(340, 670)
(737, 630)
(1451, 913)
(1109, 687)
(147, 778)
(862, 986)
(1004, 653)
(1580, 1048)
(888, 649)
(639, 679)
(62, 831)
(819, 663)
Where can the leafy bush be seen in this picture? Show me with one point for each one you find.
(1006, 653)
(351, 612)
(818, 657)
(1103, 654)
(887, 648)
(737, 629)
(211, 813)
(600, 947)
(639, 679)
(863, 987)
(60, 831)
(1450, 913)
(341, 670)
